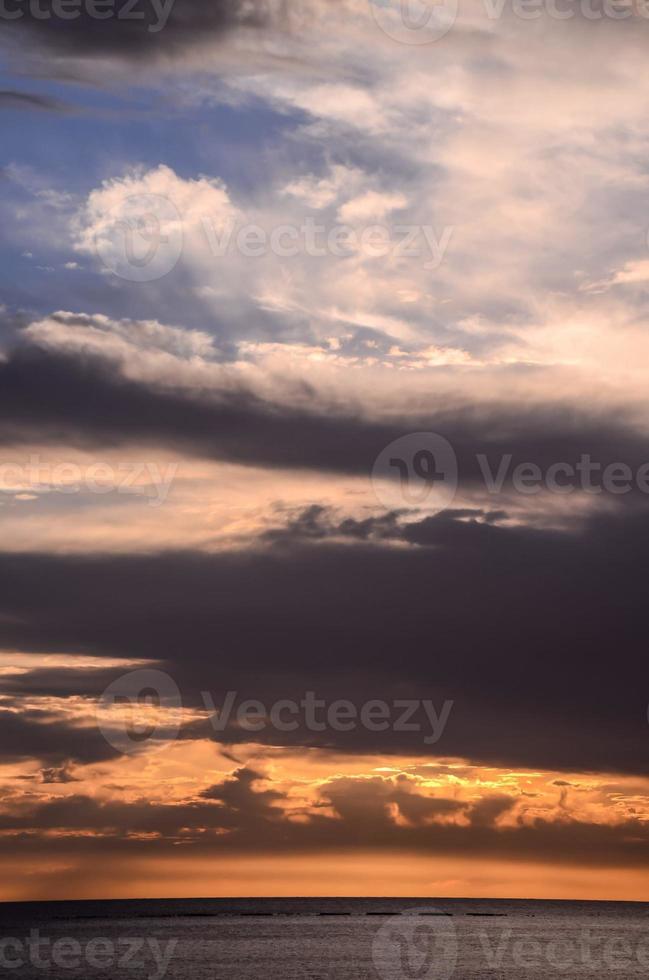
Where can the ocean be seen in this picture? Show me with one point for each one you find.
(324, 939)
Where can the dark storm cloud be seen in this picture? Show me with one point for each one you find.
(84, 400)
(27, 734)
(58, 776)
(357, 800)
(86, 813)
(537, 636)
(319, 523)
(135, 30)
(486, 811)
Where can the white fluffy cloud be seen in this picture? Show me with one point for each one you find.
(526, 190)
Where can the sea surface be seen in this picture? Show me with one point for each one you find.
(324, 939)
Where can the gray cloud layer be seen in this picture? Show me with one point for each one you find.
(132, 31)
(536, 635)
(84, 400)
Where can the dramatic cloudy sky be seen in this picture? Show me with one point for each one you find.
(243, 251)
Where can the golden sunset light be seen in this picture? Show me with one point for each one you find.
(324, 489)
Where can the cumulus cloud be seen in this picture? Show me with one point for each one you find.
(247, 813)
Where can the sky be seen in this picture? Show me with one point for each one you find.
(324, 469)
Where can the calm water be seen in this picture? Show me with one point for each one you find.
(324, 939)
